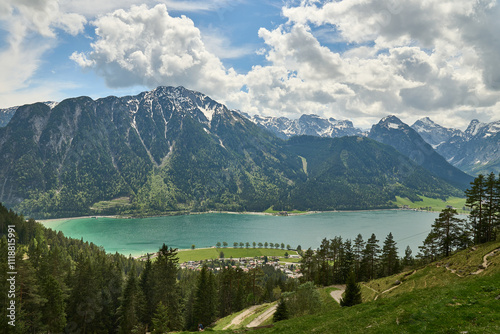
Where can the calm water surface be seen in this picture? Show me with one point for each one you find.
(141, 235)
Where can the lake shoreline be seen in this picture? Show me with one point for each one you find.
(224, 212)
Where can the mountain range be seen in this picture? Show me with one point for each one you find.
(475, 150)
(172, 149)
(311, 125)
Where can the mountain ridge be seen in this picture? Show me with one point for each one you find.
(475, 150)
(172, 149)
(392, 131)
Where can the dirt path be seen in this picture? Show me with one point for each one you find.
(240, 317)
(391, 288)
(263, 317)
(366, 286)
(337, 294)
(485, 261)
(482, 267)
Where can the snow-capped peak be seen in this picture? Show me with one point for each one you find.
(474, 127)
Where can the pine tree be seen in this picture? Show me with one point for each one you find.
(476, 196)
(335, 252)
(408, 260)
(492, 206)
(130, 310)
(204, 304)
(166, 287)
(146, 284)
(308, 266)
(346, 261)
(160, 319)
(54, 316)
(324, 268)
(281, 311)
(352, 294)
(447, 230)
(358, 247)
(389, 258)
(370, 256)
(429, 250)
(85, 300)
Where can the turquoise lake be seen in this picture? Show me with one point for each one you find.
(142, 235)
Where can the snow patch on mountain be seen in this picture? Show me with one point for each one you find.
(312, 125)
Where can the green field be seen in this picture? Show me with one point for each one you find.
(213, 253)
(271, 210)
(116, 203)
(435, 204)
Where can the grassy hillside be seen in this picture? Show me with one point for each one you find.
(435, 204)
(448, 296)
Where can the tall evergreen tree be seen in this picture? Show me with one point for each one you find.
(352, 294)
(130, 310)
(54, 315)
(446, 230)
(389, 258)
(323, 257)
(408, 259)
(146, 285)
(476, 196)
(166, 287)
(359, 246)
(492, 206)
(160, 319)
(281, 311)
(370, 257)
(204, 306)
(335, 253)
(346, 261)
(85, 300)
(308, 266)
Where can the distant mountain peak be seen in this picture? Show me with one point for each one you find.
(306, 124)
(392, 131)
(474, 127)
(391, 122)
(427, 121)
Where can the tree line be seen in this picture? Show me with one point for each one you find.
(450, 233)
(335, 259)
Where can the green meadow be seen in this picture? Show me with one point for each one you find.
(435, 204)
(229, 252)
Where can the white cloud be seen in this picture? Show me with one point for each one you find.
(416, 58)
(93, 8)
(30, 28)
(41, 16)
(149, 47)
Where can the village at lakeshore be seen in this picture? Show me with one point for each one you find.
(140, 236)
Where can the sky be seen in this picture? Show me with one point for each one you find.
(351, 59)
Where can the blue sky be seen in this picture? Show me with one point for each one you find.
(349, 59)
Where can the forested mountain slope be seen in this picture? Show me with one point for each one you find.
(172, 149)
